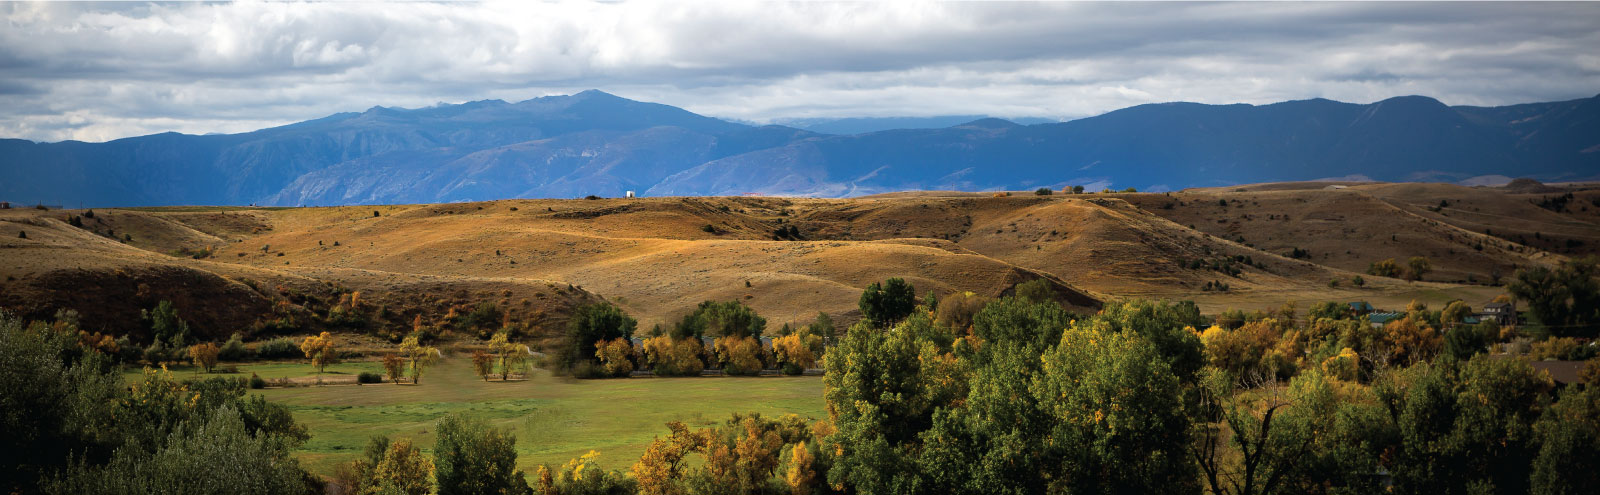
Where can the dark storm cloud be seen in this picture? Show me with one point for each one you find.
(101, 71)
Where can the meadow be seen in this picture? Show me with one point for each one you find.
(555, 419)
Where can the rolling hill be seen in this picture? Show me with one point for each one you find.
(596, 143)
(788, 258)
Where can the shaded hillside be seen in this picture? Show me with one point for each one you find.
(601, 144)
(110, 281)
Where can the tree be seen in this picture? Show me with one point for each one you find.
(882, 389)
(823, 326)
(321, 349)
(1043, 191)
(1099, 412)
(472, 458)
(593, 323)
(1036, 291)
(794, 351)
(1569, 443)
(1454, 313)
(1307, 439)
(165, 325)
(1077, 189)
(889, 302)
(1384, 268)
(391, 468)
(484, 316)
(1564, 301)
(395, 366)
(1416, 267)
(615, 357)
(673, 357)
(482, 363)
(958, 310)
(234, 349)
(739, 355)
(720, 319)
(204, 355)
(511, 355)
(419, 356)
(1465, 427)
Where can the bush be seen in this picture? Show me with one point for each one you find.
(1043, 191)
(369, 377)
(668, 357)
(279, 348)
(256, 382)
(234, 349)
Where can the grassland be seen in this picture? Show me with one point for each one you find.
(555, 419)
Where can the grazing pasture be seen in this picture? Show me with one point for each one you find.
(555, 419)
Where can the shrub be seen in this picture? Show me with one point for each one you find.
(256, 382)
(234, 349)
(369, 377)
(1043, 191)
(279, 348)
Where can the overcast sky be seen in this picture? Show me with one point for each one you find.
(95, 72)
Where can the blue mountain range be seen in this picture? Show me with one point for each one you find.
(601, 144)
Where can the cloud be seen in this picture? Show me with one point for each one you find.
(104, 71)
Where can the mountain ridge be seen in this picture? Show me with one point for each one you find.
(594, 142)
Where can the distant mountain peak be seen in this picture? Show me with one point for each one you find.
(991, 123)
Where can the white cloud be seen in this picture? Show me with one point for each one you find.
(99, 71)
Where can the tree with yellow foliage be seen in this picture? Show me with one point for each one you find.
(322, 349)
(401, 470)
(511, 355)
(419, 356)
(801, 477)
(615, 357)
(794, 353)
(1412, 340)
(739, 355)
(204, 355)
(668, 357)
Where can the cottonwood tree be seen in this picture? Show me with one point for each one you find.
(471, 458)
(483, 363)
(889, 302)
(594, 323)
(511, 356)
(394, 366)
(322, 349)
(204, 355)
(419, 356)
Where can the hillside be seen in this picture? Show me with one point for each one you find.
(788, 258)
(601, 144)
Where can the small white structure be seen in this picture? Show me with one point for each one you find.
(630, 194)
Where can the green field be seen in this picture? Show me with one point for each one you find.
(554, 419)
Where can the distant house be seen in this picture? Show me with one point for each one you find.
(630, 194)
(1503, 313)
(1361, 308)
(1378, 320)
(5, 205)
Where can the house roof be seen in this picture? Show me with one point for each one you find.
(1498, 305)
(1565, 372)
(1384, 317)
(1361, 306)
